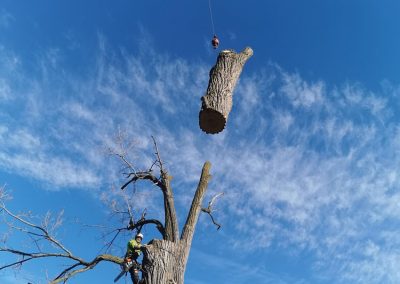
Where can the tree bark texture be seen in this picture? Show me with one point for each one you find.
(171, 219)
(164, 261)
(195, 209)
(217, 102)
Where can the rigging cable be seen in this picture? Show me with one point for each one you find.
(211, 16)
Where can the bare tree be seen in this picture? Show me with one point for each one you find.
(164, 259)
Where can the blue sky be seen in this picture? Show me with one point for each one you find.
(308, 162)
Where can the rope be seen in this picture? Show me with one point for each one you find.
(211, 16)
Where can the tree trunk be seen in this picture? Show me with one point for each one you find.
(163, 263)
(217, 102)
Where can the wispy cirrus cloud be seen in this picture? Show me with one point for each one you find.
(25, 153)
(300, 92)
(9, 63)
(305, 167)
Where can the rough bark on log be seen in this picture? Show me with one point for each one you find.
(217, 102)
(164, 263)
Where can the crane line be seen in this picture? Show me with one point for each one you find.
(211, 16)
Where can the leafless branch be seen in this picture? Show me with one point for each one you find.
(210, 209)
(42, 232)
(132, 174)
(143, 222)
(45, 244)
(85, 266)
(122, 149)
(157, 153)
(26, 256)
(143, 176)
(4, 196)
(171, 229)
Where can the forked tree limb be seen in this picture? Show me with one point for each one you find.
(170, 230)
(171, 219)
(78, 265)
(164, 260)
(42, 232)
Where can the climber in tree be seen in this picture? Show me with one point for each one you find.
(132, 254)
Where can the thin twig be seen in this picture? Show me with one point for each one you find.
(157, 153)
(209, 209)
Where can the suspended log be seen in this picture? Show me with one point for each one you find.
(217, 102)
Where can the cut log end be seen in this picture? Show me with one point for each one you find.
(211, 121)
(217, 102)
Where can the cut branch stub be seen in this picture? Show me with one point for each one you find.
(217, 102)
